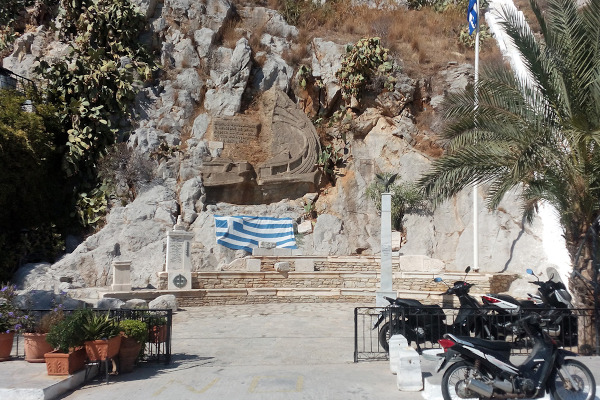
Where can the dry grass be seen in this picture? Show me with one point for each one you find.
(229, 35)
(423, 40)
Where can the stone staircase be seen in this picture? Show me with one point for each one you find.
(268, 279)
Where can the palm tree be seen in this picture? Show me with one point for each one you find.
(541, 134)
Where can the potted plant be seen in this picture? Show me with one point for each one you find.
(66, 337)
(11, 320)
(135, 334)
(36, 331)
(101, 334)
(157, 328)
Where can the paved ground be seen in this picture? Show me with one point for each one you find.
(275, 351)
(262, 352)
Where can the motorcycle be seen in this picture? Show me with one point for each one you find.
(553, 302)
(482, 369)
(420, 323)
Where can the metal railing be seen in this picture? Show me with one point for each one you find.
(11, 81)
(572, 328)
(160, 325)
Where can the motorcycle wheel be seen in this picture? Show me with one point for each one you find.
(384, 334)
(560, 387)
(454, 381)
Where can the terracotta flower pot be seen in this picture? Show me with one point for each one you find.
(98, 350)
(65, 363)
(157, 334)
(6, 343)
(35, 347)
(128, 353)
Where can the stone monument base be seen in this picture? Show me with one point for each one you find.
(179, 280)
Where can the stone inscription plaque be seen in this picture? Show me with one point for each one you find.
(175, 260)
(234, 130)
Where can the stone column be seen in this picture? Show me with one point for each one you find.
(179, 264)
(121, 276)
(385, 287)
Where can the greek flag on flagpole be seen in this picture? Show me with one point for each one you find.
(472, 16)
(243, 232)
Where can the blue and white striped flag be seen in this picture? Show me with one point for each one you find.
(472, 16)
(243, 232)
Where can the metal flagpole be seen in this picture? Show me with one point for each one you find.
(475, 186)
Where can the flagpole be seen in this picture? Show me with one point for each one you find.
(475, 186)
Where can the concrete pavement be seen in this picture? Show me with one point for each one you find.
(266, 352)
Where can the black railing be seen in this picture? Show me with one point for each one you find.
(572, 328)
(11, 81)
(160, 325)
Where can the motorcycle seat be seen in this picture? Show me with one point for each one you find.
(409, 303)
(497, 345)
(434, 309)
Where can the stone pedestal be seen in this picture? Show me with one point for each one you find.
(396, 343)
(409, 377)
(121, 276)
(385, 287)
(179, 264)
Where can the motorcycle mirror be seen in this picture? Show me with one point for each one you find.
(467, 270)
(530, 272)
(438, 279)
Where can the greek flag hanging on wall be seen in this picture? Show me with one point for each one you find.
(244, 232)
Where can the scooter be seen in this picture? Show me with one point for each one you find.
(553, 303)
(420, 323)
(482, 369)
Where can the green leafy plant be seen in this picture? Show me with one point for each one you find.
(68, 333)
(92, 207)
(94, 85)
(155, 320)
(134, 329)
(303, 75)
(309, 209)
(406, 198)
(98, 325)
(332, 156)
(362, 61)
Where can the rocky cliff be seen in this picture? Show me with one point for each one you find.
(229, 107)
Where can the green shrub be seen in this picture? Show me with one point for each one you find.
(155, 320)
(406, 198)
(361, 63)
(134, 329)
(68, 333)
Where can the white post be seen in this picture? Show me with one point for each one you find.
(475, 186)
(385, 288)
